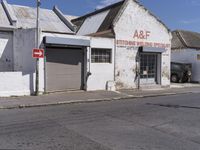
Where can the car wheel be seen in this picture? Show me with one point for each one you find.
(174, 78)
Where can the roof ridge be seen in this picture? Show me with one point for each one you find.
(181, 38)
(99, 10)
(118, 3)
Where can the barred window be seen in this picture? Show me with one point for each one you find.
(101, 55)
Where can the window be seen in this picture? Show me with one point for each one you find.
(198, 56)
(101, 55)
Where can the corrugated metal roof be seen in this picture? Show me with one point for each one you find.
(107, 23)
(49, 21)
(3, 18)
(176, 41)
(92, 23)
(185, 39)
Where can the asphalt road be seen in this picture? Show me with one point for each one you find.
(156, 123)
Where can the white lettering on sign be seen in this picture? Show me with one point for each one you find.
(38, 53)
(3, 43)
(141, 34)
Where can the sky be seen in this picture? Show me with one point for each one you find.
(176, 14)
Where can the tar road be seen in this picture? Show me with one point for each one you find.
(154, 123)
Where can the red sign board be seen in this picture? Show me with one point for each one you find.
(38, 53)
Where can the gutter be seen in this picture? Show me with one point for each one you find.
(7, 28)
(57, 32)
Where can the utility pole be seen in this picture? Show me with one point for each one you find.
(38, 46)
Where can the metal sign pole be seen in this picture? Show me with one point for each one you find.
(38, 46)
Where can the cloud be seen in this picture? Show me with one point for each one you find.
(195, 2)
(104, 3)
(192, 2)
(191, 21)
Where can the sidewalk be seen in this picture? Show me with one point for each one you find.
(81, 96)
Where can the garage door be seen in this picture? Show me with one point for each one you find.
(64, 69)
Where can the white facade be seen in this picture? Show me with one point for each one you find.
(134, 27)
(135, 19)
(188, 56)
(101, 73)
(21, 80)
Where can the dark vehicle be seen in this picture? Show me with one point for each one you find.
(181, 72)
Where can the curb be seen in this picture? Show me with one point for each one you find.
(88, 101)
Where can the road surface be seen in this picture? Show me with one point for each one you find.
(155, 123)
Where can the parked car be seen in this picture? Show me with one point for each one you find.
(181, 72)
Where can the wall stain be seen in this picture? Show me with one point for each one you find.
(165, 73)
(119, 85)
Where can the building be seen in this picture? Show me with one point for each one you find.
(66, 65)
(131, 26)
(186, 49)
(96, 51)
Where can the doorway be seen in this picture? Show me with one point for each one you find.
(148, 68)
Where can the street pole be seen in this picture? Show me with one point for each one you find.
(38, 46)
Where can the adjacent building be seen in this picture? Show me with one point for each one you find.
(186, 49)
(118, 47)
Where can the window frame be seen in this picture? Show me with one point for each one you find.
(101, 57)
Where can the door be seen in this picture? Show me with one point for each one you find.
(64, 69)
(148, 68)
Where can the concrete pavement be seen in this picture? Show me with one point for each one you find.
(83, 97)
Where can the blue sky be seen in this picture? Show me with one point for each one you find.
(176, 14)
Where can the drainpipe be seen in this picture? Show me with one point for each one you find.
(115, 49)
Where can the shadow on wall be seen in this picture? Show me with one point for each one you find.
(29, 78)
(24, 43)
(16, 56)
(6, 52)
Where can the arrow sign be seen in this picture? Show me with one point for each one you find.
(38, 53)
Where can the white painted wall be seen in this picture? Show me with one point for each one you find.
(101, 72)
(22, 80)
(188, 56)
(13, 84)
(133, 18)
(6, 51)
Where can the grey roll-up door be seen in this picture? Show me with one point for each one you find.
(64, 69)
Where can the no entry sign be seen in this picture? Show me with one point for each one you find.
(38, 53)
